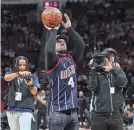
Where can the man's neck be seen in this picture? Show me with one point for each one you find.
(61, 54)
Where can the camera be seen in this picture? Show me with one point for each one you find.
(99, 60)
(28, 78)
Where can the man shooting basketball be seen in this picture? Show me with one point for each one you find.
(62, 73)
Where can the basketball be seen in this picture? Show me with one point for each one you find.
(51, 17)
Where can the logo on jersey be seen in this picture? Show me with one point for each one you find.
(68, 72)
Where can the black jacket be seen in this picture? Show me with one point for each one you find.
(50, 53)
(100, 83)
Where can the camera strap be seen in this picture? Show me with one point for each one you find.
(98, 80)
(111, 80)
(18, 94)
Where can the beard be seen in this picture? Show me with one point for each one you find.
(62, 51)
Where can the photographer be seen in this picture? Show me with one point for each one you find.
(106, 83)
(42, 111)
(20, 98)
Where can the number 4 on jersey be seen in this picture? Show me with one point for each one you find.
(71, 82)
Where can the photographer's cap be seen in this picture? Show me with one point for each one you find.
(110, 50)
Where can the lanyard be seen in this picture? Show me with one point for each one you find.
(20, 80)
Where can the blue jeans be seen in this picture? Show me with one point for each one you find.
(132, 117)
(60, 121)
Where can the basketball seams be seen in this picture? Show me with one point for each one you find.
(53, 22)
(50, 20)
(50, 8)
(46, 12)
(51, 25)
(51, 17)
(51, 14)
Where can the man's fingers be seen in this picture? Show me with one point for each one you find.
(66, 16)
(62, 22)
(106, 59)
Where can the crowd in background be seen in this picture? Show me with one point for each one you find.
(101, 25)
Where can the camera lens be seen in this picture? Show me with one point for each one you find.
(99, 61)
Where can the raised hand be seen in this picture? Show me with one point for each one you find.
(67, 24)
(108, 66)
